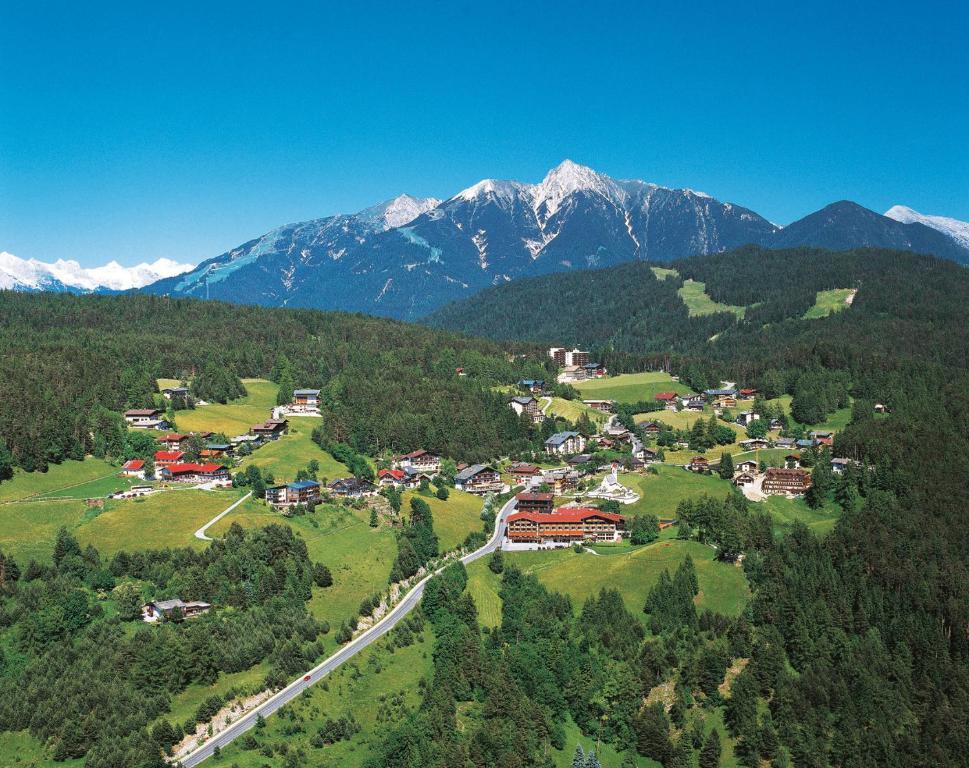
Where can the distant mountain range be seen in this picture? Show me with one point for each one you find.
(68, 276)
(408, 256)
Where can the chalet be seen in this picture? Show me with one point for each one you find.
(786, 482)
(167, 458)
(522, 471)
(351, 487)
(421, 460)
(413, 477)
(695, 404)
(145, 418)
(822, 438)
(792, 461)
(526, 405)
(776, 424)
(572, 373)
(169, 392)
(564, 444)
(196, 473)
(804, 443)
(699, 464)
(748, 392)
(725, 401)
(560, 480)
(133, 468)
(606, 406)
(272, 429)
(636, 464)
(744, 479)
(391, 477)
(215, 451)
(648, 455)
(715, 393)
(174, 441)
(746, 418)
(754, 444)
(478, 478)
(594, 370)
(535, 386)
(651, 428)
(301, 492)
(535, 502)
(580, 458)
(746, 466)
(605, 442)
(668, 399)
(306, 398)
(160, 610)
(253, 441)
(839, 466)
(566, 524)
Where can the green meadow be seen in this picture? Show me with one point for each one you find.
(234, 418)
(629, 387)
(828, 302)
(698, 302)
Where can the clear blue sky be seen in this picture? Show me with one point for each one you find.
(136, 130)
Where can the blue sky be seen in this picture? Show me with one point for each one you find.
(134, 131)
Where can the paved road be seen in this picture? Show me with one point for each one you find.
(200, 533)
(349, 650)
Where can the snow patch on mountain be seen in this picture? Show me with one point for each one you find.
(402, 210)
(505, 191)
(34, 275)
(957, 230)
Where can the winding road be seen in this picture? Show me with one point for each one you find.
(378, 630)
(200, 533)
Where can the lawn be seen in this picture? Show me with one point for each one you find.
(828, 302)
(185, 704)
(454, 519)
(377, 687)
(293, 451)
(573, 409)
(166, 519)
(697, 301)
(483, 585)
(662, 273)
(629, 387)
(723, 587)
(233, 418)
(27, 529)
(786, 511)
(359, 557)
(59, 479)
(662, 492)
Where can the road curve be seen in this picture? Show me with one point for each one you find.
(378, 630)
(200, 533)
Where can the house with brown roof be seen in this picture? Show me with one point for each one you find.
(535, 502)
(786, 482)
(564, 525)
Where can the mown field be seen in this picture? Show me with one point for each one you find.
(233, 418)
(573, 409)
(694, 295)
(630, 387)
(454, 519)
(828, 302)
(631, 570)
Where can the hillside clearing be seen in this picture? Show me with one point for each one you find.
(698, 302)
(630, 387)
(828, 302)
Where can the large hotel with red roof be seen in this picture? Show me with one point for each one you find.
(564, 525)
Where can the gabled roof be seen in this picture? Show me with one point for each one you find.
(305, 392)
(302, 485)
(566, 515)
(526, 496)
(173, 437)
(665, 396)
(202, 469)
(523, 400)
(168, 455)
(560, 437)
(134, 464)
(730, 392)
(142, 411)
(417, 454)
(396, 474)
(474, 469)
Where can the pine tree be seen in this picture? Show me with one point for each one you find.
(710, 754)
(578, 757)
(726, 466)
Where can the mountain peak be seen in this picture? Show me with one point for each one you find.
(504, 190)
(566, 179)
(31, 274)
(397, 212)
(953, 228)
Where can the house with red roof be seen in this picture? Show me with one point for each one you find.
(133, 468)
(167, 458)
(391, 477)
(667, 398)
(174, 441)
(564, 525)
(195, 473)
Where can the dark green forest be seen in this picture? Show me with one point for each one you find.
(70, 365)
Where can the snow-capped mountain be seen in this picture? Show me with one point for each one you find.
(957, 230)
(408, 256)
(33, 275)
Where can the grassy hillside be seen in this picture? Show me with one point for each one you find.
(629, 387)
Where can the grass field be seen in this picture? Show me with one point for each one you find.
(835, 422)
(21, 750)
(629, 387)
(377, 687)
(664, 272)
(698, 302)
(633, 571)
(828, 302)
(360, 557)
(293, 451)
(185, 704)
(233, 418)
(662, 492)
(573, 409)
(786, 511)
(59, 479)
(454, 519)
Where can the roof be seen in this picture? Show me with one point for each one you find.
(566, 515)
(805, 443)
(524, 400)
(717, 392)
(582, 458)
(650, 425)
(202, 469)
(168, 455)
(133, 464)
(298, 392)
(747, 391)
(531, 382)
(302, 485)
(474, 469)
(417, 454)
(665, 396)
(218, 446)
(397, 474)
(699, 460)
(785, 472)
(175, 389)
(535, 496)
(522, 467)
(560, 437)
(590, 366)
(142, 411)
(351, 483)
(174, 437)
